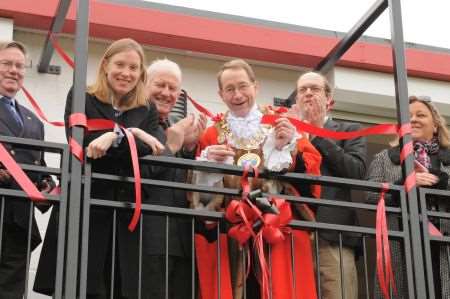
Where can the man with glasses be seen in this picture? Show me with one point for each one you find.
(341, 158)
(239, 138)
(17, 121)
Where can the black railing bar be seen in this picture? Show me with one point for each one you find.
(84, 238)
(436, 214)
(21, 195)
(168, 184)
(312, 225)
(60, 253)
(317, 260)
(74, 217)
(166, 258)
(40, 169)
(407, 248)
(113, 254)
(157, 209)
(236, 170)
(219, 293)
(427, 191)
(56, 26)
(330, 202)
(443, 239)
(165, 210)
(140, 259)
(426, 244)
(331, 181)
(2, 220)
(352, 35)
(366, 272)
(294, 276)
(341, 267)
(27, 264)
(34, 144)
(193, 268)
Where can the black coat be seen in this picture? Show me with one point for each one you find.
(117, 161)
(345, 159)
(155, 226)
(17, 211)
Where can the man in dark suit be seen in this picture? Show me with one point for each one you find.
(164, 88)
(340, 158)
(17, 121)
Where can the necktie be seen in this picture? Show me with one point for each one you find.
(12, 109)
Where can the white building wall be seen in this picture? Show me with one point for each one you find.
(360, 95)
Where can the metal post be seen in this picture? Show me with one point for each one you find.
(78, 105)
(328, 62)
(351, 37)
(401, 96)
(57, 24)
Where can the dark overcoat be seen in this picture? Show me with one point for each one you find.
(117, 162)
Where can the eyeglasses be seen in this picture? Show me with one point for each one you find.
(8, 65)
(315, 89)
(242, 87)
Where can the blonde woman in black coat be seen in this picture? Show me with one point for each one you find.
(118, 95)
(432, 159)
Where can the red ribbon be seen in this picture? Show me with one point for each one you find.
(39, 110)
(61, 51)
(434, 231)
(383, 129)
(384, 266)
(19, 176)
(79, 119)
(244, 215)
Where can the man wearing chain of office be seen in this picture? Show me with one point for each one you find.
(238, 138)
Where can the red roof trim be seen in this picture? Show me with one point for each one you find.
(220, 37)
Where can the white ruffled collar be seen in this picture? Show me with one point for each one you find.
(247, 126)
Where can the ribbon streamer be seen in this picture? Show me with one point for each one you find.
(19, 175)
(79, 119)
(384, 266)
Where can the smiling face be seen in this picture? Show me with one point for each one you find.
(122, 72)
(237, 91)
(422, 124)
(163, 90)
(11, 76)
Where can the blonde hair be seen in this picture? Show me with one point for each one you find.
(236, 64)
(442, 133)
(101, 89)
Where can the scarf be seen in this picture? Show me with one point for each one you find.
(423, 150)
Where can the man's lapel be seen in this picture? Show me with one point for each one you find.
(9, 122)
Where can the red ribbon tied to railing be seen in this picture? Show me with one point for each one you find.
(19, 175)
(246, 217)
(79, 119)
(384, 266)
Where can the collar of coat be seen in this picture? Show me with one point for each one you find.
(394, 155)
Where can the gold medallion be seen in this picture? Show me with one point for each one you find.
(251, 159)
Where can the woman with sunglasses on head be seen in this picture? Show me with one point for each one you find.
(118, 95)
(431, 144)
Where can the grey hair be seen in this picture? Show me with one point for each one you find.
(163, 66)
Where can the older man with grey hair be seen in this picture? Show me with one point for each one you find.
(164, 87)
